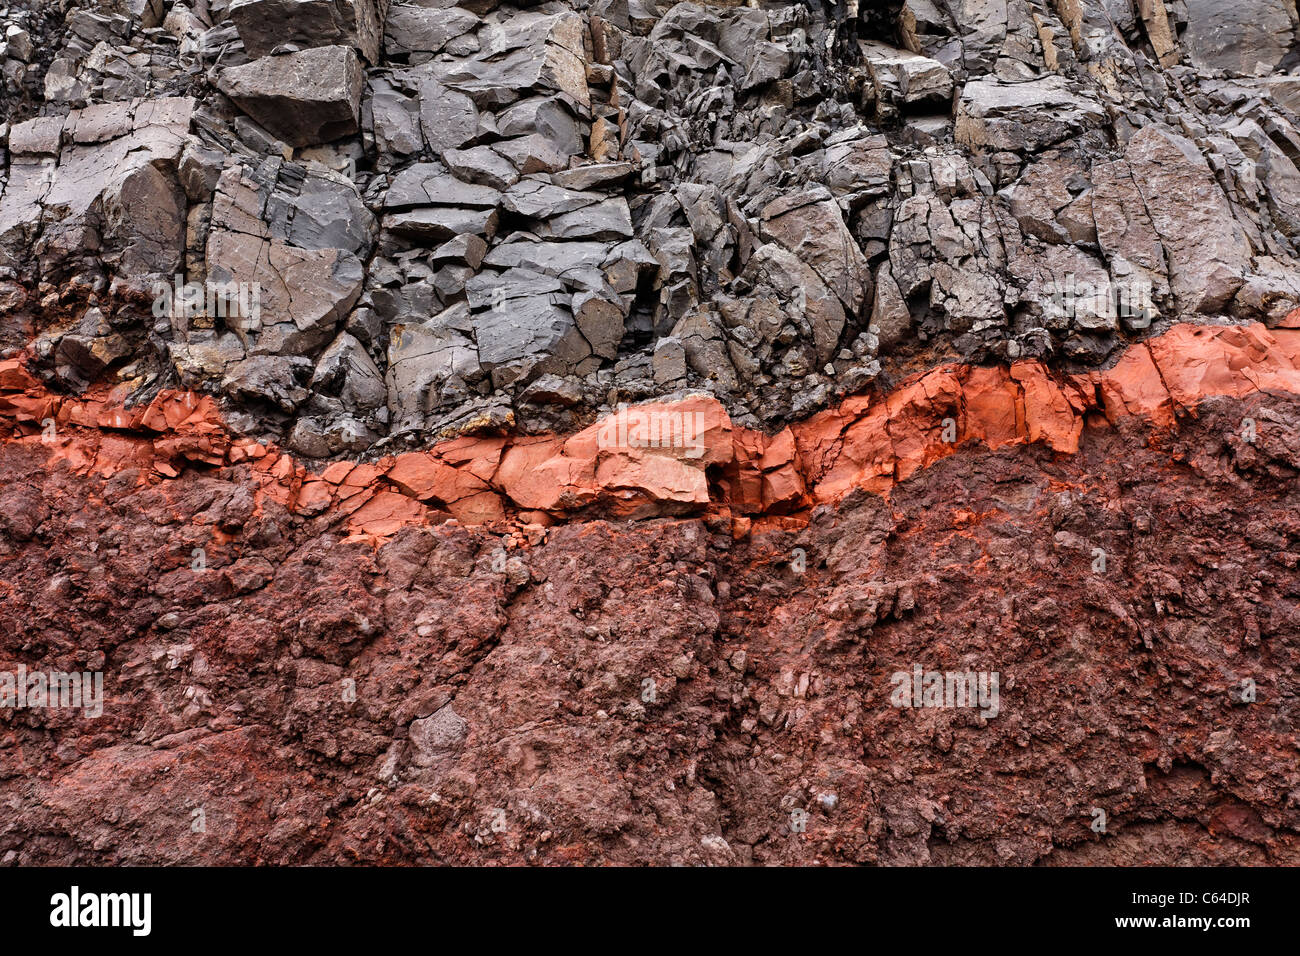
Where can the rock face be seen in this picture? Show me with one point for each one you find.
(1250, 37)
(1017, 116)
(408, 314)
(98, 183)
(1206, 251)
(511, 666)
(775, 206)
(266, 24)
(304, 98)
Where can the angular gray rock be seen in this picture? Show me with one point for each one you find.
(425, 358)
(304, 98)
(544, 116)
(266, 24)
(607, 219)
(1023, 116)
(1247, 37)
(346, 369)
(1207, 251)
(449, 118)
(811, 226)
(526, 337)
(99, 181)
(481, 165)
(429, 184)
(455, 213)
(412, 28)
(305, 292)
(527, 52)
(905, 81)
(437, 224)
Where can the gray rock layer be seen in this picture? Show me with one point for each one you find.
(368, 224)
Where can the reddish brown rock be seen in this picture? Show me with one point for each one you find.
(678, 458)
(433, 693)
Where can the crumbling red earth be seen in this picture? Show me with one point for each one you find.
(552, 650)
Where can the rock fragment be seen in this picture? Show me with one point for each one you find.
(305, 98)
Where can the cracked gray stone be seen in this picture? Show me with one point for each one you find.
(459, 213)
(304, 98)
(266, 24)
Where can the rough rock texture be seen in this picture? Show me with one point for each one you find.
(265, 25)
(305, 98)
(678, 458)
(664, 691)
(775, 204)
(350, 675)
(525, 432)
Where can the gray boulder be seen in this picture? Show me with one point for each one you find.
(304, 98)
(304, 292)
(1208, 253)
(440, 223)
(423, 358)
(608, 219)
(449, 118)
(1246, 36)
(266, 24)
(1023, 117)
(526, 337)
(99, 181)
(905, 81)
(415, 29)
(346, 370)
(482, 165)
(429, 184)
(811, 226)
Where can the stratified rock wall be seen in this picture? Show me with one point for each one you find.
(608, 432)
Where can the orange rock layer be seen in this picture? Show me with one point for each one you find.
(663, 459)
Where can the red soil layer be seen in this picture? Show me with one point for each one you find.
(683, 458)
(660, 691)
